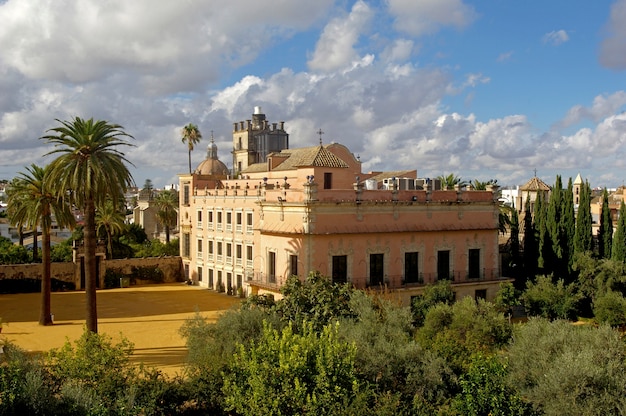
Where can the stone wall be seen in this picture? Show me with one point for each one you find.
(171, 267)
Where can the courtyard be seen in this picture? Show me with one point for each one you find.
(149, 316)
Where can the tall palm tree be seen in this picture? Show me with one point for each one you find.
(89, 169)
(35, 200)
(191, 135)
(166, 203)
(109, 220)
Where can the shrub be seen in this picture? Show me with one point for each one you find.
(610, 309)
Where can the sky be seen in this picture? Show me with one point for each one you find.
(481, 89)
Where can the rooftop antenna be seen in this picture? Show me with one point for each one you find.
(535, 172)
(320, 132)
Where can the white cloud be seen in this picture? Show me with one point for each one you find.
(420, 17)
(556, 37)
(335, 48)
(614, 45)
(602, 106)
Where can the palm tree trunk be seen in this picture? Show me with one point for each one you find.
(167, 234)
(35, 245)
(45, 317)
(90, 266)
(190, 161)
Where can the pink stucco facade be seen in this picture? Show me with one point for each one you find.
(310, 210)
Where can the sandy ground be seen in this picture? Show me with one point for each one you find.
(149, 316)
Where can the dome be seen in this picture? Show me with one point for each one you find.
(212, 165)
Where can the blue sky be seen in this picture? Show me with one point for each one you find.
(482, 89)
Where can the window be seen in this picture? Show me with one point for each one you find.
(443, 265)
(186, 195)
(210, 220)
(239, 219)
(480, 294)
(340, 269)
(328, 180)
(186, 245)
(473, 266)
(187, 272)
(219, 248)
(219, 220)
(199, 217)
(210, 246)
(238, 254)
(249, 222)
(248, 256)
(411, 268)
(229, 221)
(377, 269)
(200, 248)
(199, 274)
(229, 250)
(271, 267)
(210, 277)
(239, 281)
(293, 265)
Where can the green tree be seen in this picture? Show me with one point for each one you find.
(440, 292)
(618, 248)
(38, 202)
(484, 390)
(89, 169)
(316, 369)
(568, 370)
(166, 204)
(610, 309)
(567, 231)
(544, 245)
(110, 221)
(191, 135)
(553, 251)
(605, 230)
(514, 245)
(531, 253)
(551, 300)
(583, 240)
(317, 300)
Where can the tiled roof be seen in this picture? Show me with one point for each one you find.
(394, 173)
(535, 184)
(317, 156)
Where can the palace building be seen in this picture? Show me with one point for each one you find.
(286, 212)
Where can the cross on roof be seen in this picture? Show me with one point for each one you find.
(320, 132)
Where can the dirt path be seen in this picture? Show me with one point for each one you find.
(149, 316)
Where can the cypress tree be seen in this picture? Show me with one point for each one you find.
(618, 250)
(514, 242)
(531, 255)
(583, 240)
(567, 230)
(552, 247)
(540, 229)
(605, 231)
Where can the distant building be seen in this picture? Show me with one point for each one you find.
(291, 211)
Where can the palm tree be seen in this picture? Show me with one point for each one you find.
(18, 216)
(34, 199)
(166, 203)
(89, 169)
(448, 181)
(191, 136)
(109, 220)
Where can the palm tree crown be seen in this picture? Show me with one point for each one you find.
(89, 170)
(191, 135)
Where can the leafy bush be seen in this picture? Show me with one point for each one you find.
(316, 369)
(566, 369)
(112, 277)
(150, 273)
(551, 300)
(610, 309)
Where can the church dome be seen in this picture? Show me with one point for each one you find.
(212, 165)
